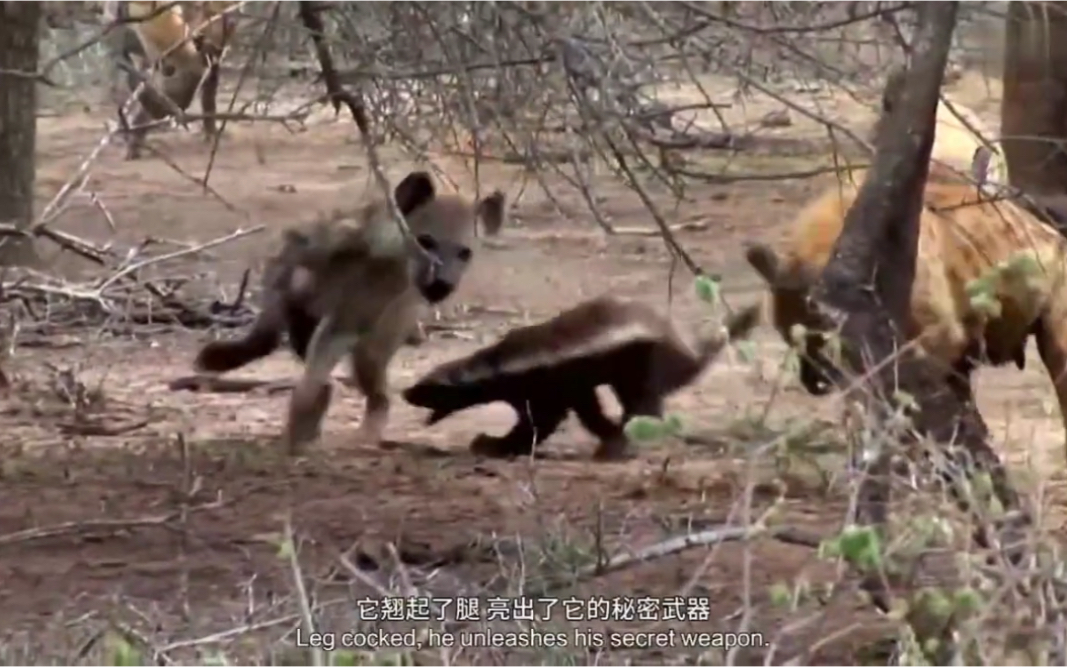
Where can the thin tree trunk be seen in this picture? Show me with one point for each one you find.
(1033, 112)
(866, 288)
(19, 24)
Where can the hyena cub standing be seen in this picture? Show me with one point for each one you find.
(159, 32)
(356, 288)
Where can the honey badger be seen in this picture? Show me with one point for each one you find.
(337, 292)
(158, 32)
(548, 369)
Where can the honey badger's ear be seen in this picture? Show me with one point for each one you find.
(491, 211)
(763, 258)
(416, 189)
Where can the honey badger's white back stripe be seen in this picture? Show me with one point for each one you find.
(608, 338)
(638, 327)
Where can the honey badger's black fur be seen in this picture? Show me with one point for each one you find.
(548, 369)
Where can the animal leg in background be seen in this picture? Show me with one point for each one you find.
(176, 67)
(209, 92)
(212, 42)
(311, 397)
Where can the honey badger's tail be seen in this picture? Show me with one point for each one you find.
(265, 336)
(738, 325)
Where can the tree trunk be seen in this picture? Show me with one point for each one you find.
(865, 289)
(1033, 111)
(19, 22)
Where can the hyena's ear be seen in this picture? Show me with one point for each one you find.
(416, 189)
(763, 258)
(491, 210)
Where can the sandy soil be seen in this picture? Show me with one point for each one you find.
(172, 528)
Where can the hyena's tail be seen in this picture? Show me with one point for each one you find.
(221, 356)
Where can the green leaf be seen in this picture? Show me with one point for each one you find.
(983, 286)
(830, 548)
(905, 400)
(708, 289)
(286, 550)
(967, 600)
(344, 658)
(781, 595)
(1023, 264)
(861, 546)
(123, 654)
(646, 429)
(673, 423)
(982, 483)
(934, 602)
(986, 304)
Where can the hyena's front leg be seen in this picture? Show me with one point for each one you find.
(371, 358)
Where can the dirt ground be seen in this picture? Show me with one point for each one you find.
(169, 533)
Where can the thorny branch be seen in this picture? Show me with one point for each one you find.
(338, 95)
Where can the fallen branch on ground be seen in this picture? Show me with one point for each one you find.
(96, 526)
(222, 385)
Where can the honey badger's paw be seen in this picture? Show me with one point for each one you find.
(615, 449)
(493, 447)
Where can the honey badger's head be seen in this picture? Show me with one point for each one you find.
(790, 306)
(449, 388)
